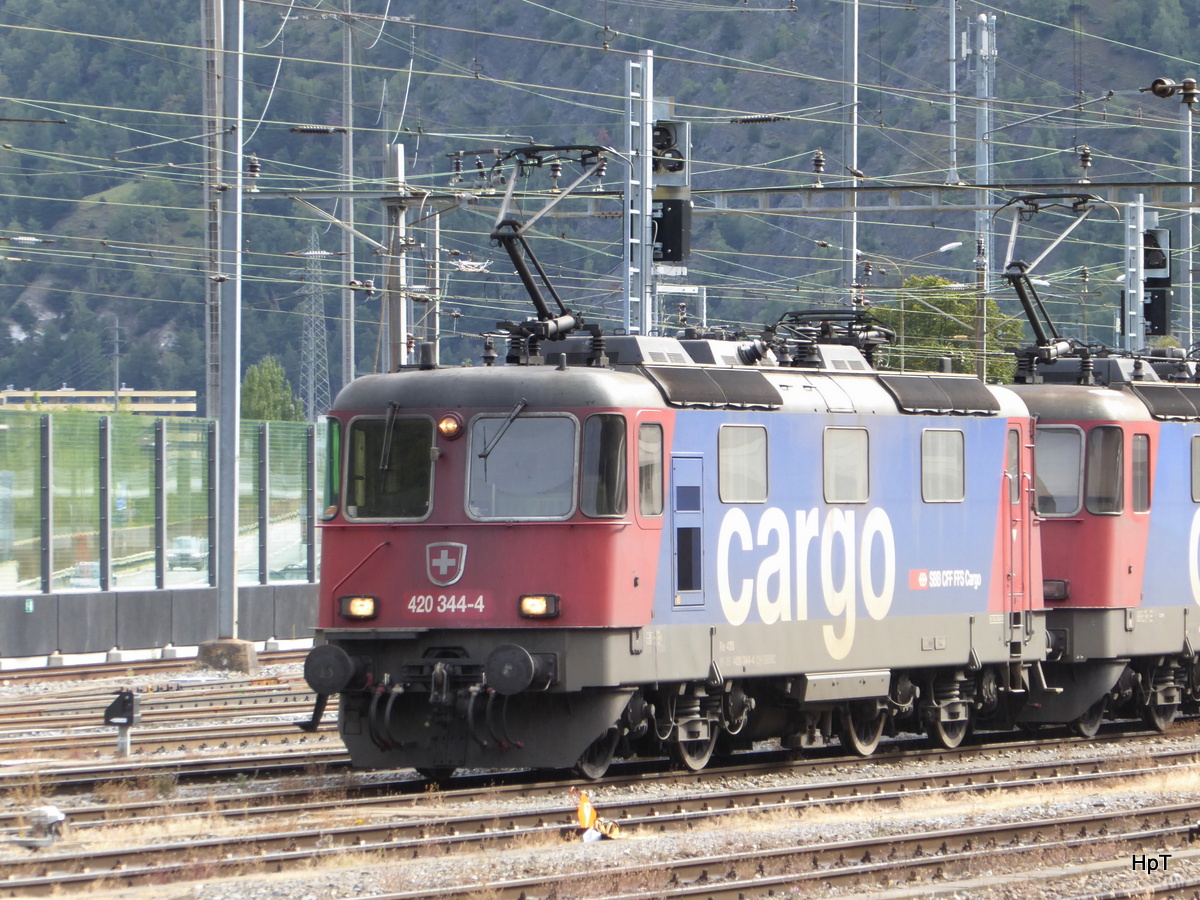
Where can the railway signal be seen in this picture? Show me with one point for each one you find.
(672, 153)
(1156, 264)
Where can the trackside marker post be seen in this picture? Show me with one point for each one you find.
(124, 713)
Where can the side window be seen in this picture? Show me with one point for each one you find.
(1105, 470)
(1059, 482)
(845, 468)
(1012, 467)
(943, 468)
(333, 467)
(603, 486)
(742, 464)
(650, 470)
(1141, 473)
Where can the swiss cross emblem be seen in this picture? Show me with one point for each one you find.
(445, 562)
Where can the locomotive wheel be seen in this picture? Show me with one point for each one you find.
(598, 756)
(1088, 724)
(1159, 716)
(947, 735)
(694, 755)
(436, 773)
(862, 727)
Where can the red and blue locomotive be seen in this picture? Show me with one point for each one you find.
(616, 545)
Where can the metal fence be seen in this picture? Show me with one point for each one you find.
(109, 524)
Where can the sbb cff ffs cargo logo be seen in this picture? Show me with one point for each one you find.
(445, 562)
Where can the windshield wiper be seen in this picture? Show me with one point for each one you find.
(516, 411)
(385, 454)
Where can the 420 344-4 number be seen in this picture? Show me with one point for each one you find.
(445, 603)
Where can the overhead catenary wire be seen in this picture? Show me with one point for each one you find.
(184, 177)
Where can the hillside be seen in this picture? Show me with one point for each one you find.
(116, 188)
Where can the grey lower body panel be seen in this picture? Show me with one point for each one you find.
(1102, 633)
(603, 657)
(435, 706)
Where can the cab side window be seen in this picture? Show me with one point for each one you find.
(650, 469)
(1141, 473)
(602, 489)
(1105, 470)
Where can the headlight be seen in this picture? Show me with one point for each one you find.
(539, 606)
(358, 607)
(1056, 589)
(450, 426)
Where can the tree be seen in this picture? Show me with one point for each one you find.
(934, 318)
(267, 394)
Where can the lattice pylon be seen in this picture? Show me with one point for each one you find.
(314, 357)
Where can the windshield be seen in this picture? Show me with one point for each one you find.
(528, 473)
(390, 479)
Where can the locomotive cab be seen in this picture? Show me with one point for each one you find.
(1106, 478)
(1093, 493)
(489, 544)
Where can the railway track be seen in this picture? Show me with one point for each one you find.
(176, 716)
(95, 671)
(410, 790)
(158, 701)
(888, 862)
(293, 806)
(424, 825)
(258, 749)
(77, 778)
(249, 737)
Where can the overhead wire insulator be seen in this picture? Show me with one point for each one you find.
(1162, 87)
(1188, 91)
(1085, 163)
(818, 165)
(457, 158)
(27, 239)
(556, 170)
(601, 171)
(253, 170)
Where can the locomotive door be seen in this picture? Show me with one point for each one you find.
(1016, 561)
(687, 511)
